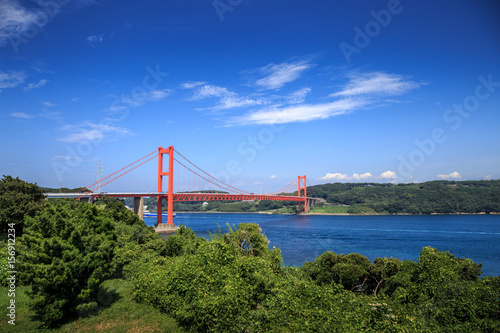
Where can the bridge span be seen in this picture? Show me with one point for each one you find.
(139, 197)
(192, 184)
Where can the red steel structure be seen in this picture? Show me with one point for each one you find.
(204, 179)
(170, 174)
(303, 186)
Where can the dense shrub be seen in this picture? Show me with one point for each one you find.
(66, 252)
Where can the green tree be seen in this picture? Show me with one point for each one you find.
(351, 271)
(18, 199)
(66, 252)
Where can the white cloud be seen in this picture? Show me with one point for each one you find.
(191, 84)
(51, 114)
(93, 40)
(11, 79)
(158, 95)
(209, 90)
(298, 96)
(341, 176)
(487, 177)
(92, 132)
(334, 176)
(61, 157)
(227, 99)
(298, 113)
(276, 76)
(48, 104)
(138, 100)
(75, 99)
(357, 177)
(15, 19)
(40, 83)
(453, 175)
(388, 175)
(21, 115)
(273, 176)
(376, 83)
(360, 92)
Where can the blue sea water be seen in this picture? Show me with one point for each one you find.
(303, 238)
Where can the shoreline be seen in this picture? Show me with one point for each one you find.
(334, 214)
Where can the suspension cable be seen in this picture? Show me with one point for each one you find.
(92, 191)
(114, 173)
(237, 190)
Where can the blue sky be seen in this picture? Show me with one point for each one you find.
(255, 92)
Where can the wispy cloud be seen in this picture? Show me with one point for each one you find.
(226, 99)
(93, 40)
(15, 19)
(277, 75)
(299, 96)
(21, 115)
(208, 90)
(191, 84)
(48, 104)
(51, 114)
(138, 100)
(298, 113)
(453, 175)
(11, 79)
(362, 90)
(376, 83)
(357, 177)
(92, 132)
(40, 83)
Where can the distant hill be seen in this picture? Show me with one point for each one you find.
(63, 190)
(445, 197)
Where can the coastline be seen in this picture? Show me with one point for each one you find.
(334, 214)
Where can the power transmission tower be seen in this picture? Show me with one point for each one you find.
(99, 175)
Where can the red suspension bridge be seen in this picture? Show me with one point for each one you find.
(191, 184)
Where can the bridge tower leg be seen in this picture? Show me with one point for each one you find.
(170, 174)
(303, 186)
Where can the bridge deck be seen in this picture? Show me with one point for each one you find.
(184, 196)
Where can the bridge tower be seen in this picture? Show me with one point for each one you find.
(303, 186)
(170, 174)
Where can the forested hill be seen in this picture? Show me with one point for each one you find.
(445, 197)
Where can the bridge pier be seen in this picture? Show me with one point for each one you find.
(139, 207)
(310, 203)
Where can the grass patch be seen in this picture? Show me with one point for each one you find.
(330, 209)
(119, 313)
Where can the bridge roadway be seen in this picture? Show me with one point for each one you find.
(139, 197)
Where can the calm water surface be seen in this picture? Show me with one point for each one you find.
(303, 238)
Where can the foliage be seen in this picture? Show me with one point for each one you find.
(183, 242)
(66, 252)
(234, 283)
(446, 292)
(215, 288)
(17, 200)
(350, 271)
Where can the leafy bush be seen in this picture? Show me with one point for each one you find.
(17, 200)
(66, 252)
